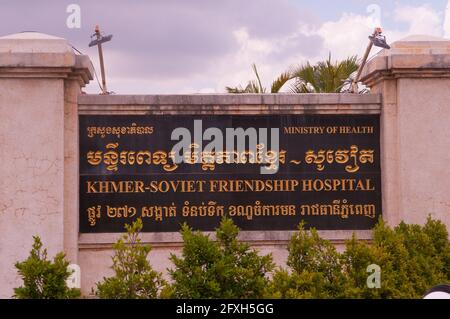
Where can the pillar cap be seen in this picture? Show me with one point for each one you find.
(32, 53)
(413, 56)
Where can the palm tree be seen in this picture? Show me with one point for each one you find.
(255, 86)
(324, 77)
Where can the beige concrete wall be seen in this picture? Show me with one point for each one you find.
(414, 80)
(71, 177)
(424, 149)
(40, 80)
(32, 174)
(96, 262)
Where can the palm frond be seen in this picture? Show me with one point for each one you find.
(253, 86)
(261, 89)
(306, 79)
(280, 81)
(235, 90)
(324, 76)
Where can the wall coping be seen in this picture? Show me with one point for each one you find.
(38, 55)
(165, 239)
(230, 99)
(231, 104)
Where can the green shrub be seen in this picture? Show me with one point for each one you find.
(225, 268)
(438, 234)
(134, 276)
(414, 254)
(357, 256)
(314, 269)
(43, 278)
(412, 259)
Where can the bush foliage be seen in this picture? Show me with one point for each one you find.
(225, 268)
(43, 278)
(412, 259)
(134, 277)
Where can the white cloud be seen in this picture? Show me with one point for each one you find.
(421, 20)
(347, 36)
(447, 21)
(236, 69)
(343, 37)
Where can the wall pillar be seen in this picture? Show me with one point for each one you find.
(414, 80)
(40, 80)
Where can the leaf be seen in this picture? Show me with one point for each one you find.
(280, 82)
(134, 277)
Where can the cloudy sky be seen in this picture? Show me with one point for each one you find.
(200, 46)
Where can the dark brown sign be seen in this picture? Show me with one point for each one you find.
(325, 171)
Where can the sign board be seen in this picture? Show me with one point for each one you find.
(325, 171)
